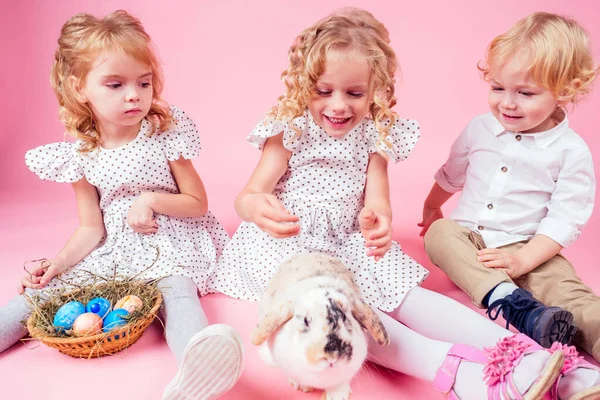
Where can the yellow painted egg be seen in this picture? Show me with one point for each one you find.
(87, 324)
(130, 303)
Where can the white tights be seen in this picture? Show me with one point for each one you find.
(425, 327)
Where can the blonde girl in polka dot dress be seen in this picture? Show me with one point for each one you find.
(138, 195)
(321, 185)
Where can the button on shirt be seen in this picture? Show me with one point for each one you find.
(517, 185)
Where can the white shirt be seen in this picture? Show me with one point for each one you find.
(518, 185)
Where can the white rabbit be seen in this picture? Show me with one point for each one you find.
(311, 324)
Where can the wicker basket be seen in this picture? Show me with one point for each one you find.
(102, 344)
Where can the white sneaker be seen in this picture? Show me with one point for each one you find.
(212, 363)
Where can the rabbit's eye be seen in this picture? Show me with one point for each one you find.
(306, 322)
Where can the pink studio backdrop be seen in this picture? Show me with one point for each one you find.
(222, 61)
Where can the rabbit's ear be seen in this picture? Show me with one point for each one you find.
(365, 316)
(277, 315)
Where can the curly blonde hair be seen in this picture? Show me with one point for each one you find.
(558, 52)
(82, 39)
(349, 29)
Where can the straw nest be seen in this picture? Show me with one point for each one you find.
(45, 305)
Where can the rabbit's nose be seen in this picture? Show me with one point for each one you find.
(330, 360)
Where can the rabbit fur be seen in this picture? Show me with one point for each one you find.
(311, 321)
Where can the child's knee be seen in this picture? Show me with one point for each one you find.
(438, 231)
(177, 286)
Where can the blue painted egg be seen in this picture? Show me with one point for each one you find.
(67, 314)
(98, 305)
(115, 319)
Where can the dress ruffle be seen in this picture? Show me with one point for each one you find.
(183, 139)
(399, 142)
(58, 162)
(270, 127)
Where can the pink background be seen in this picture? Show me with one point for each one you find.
(222, 61)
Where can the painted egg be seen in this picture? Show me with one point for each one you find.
(130, 303)
(98, 305)
(87, 324)
(114, 319)
(66, 315)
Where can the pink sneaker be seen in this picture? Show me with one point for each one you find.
(212, 363)
(500, 362)
(572, 362)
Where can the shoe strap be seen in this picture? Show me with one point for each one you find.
(500, 391)
(506, 388)
(445, 376)
(573, 360)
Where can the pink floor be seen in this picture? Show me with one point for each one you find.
(31, 370)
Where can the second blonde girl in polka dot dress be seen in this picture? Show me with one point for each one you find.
(319, 183)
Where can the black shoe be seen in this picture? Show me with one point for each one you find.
(545, 325)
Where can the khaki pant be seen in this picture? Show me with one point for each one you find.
(453, 248)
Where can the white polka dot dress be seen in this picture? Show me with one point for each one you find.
(323, 186)
(185, 246)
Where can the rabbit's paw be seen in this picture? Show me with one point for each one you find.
(341, 392)
(264, 353)
(298, 386)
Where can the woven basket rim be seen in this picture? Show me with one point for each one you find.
(42, 336)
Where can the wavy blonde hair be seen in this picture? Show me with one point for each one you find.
(558, 53)
(352, 30)
(82, 39)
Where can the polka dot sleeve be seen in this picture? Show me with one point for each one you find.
(271, 127)
(402, 137)
(183, 139)
(57, 162)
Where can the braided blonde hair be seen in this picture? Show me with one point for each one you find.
(349, 29)
(83, 38)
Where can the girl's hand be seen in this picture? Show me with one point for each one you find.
(376, 228)
(141, 216)
(39, 276)
(267, 212)
(430, 215)
(502, 260)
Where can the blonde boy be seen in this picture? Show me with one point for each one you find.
(528, 187)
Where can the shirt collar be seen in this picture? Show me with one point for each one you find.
(542, 139)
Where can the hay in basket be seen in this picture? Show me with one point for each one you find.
(44, 307)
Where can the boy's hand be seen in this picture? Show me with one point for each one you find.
(430, 215)
(267, 212)
(39, 276)
(502, 260)
(376, 228)
(141, 217)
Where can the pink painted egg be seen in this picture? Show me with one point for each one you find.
(87, 324)
(130, 303)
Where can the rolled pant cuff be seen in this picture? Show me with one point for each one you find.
(596, 351)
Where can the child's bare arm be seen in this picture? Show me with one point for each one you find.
(191, 201)
(85, 238)
(449, 179)
(375, 219)
(257, 204)
(536, 252)
(377, 186)
(432, 208)
(539, 250)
